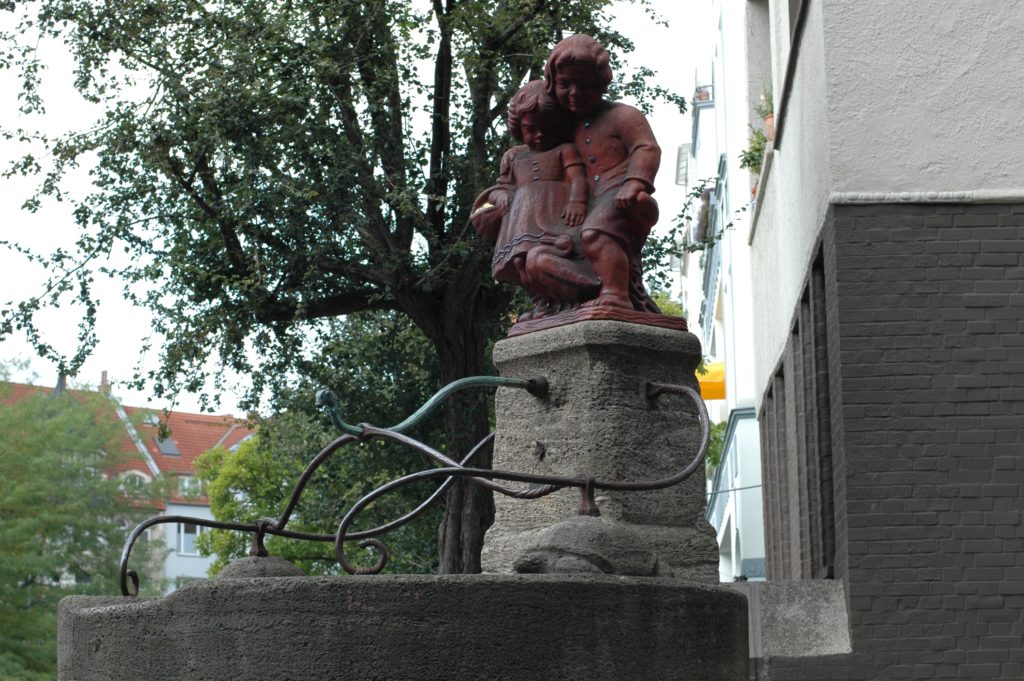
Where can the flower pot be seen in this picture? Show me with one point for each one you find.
(769, 127)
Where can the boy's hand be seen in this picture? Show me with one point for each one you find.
(629, 193)
(574, 213)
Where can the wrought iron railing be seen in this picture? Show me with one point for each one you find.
(448, 472)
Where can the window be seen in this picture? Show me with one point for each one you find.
(189, 487)
(167, 447)
(796, 447)
(134, 484)
(187, 534)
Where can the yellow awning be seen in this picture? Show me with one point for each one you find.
(712, 382)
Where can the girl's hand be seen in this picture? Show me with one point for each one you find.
(501, 202)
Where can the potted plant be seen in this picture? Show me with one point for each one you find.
(752, 157)
(766, 110)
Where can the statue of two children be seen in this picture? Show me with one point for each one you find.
(572, 206)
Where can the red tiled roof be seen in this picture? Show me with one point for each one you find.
(12, 393)
(193, 434)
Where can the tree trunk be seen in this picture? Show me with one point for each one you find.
(469, 509)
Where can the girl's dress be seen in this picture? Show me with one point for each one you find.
(538, 187)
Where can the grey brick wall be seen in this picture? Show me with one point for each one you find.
(925, 326)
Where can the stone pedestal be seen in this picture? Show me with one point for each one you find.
(410, 628)
(596, 420)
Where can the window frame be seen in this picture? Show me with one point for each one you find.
(180, 539)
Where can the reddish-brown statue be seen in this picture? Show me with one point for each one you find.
(572, 207)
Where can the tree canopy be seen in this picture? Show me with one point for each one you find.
(62, 522)
(267, 166)
(382, 370)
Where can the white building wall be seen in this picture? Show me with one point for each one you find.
(180, 566)
(735, 290)
(748, 494)
(871, 110)
(796, 183)
(904, 81)
(739, 331)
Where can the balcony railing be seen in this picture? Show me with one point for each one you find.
(704, 95)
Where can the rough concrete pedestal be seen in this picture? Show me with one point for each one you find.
(597, 420)
(410, 628)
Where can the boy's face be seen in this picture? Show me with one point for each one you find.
(578, 89)
(536, 133)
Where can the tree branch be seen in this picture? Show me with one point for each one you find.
(328, 306)
(376, 238)
(383, 92)
(517, 25)
(232, 245)
(437, 180)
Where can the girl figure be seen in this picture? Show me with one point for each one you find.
(539, 200)
(621, 158)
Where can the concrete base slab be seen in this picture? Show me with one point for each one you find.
(796, 618)
(410, 627)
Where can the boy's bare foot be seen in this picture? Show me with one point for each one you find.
(608, 299)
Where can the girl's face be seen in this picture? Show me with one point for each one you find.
(578, 89)
(537, 134)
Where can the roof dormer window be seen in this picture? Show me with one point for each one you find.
(167, 447)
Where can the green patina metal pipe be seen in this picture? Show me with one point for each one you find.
(536, 386)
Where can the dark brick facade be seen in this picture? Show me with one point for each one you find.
(924, 412)
(796, 450)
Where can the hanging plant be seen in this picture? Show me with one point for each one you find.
(753, 155)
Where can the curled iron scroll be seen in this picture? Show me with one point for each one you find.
(547, 483)
(539, 486)
(129, 579)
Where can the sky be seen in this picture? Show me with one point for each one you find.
(673, 53)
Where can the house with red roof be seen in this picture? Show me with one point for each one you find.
(149, 455)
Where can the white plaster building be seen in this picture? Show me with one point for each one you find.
(190, 436)
(727, 87)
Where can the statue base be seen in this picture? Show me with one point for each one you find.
(410, 628)
(597, 420)
(582, 314)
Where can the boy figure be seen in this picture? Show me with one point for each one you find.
(621, 157)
